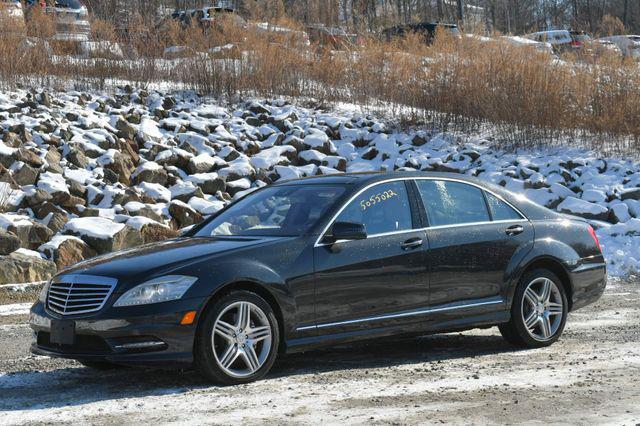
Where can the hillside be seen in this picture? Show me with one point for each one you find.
(89, 173)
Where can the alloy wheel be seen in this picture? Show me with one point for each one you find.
(241, 339)
(542, 309)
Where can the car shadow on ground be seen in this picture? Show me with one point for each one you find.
(70, 386)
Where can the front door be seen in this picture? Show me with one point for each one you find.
(370, 283)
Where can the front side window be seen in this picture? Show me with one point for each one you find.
(452, 203)
(382, 208)
(501, 210)
(274, 211)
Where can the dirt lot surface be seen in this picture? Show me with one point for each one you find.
(592, 375)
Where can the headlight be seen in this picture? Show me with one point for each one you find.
(163, 289)
(43, 294)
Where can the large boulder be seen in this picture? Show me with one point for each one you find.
(25, 267)
(209, 183)
(582, 208)
(630, 194)
(67, 250)
(9, 242)
(150, 230)
(31, 234)
(26, 175)
(183, 214)
(28, 156)
(38, 235)
(150, 172)
(136, 208)
(120, 163)
(102, 234)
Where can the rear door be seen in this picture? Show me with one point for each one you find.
(370, 283)
(473, 237)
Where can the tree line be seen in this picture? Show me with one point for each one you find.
(481, 16)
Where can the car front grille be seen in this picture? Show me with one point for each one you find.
(78, 294)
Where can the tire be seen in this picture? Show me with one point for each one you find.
(537, 320)
(100, 365)
(229, 351)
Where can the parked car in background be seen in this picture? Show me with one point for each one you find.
(629, 45)
(71, 19)
(333, 37)
(598, 48)
(11, 18)
(528, 43)
(560, 40)
(281, 35)
(206, 17)
(426, 30)
(579, 39)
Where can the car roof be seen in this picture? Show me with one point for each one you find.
(365, 178)
(563, 32)
(357, 181)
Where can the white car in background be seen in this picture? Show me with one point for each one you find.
(526, 42)
(560, 40)
(628, 44)
(71, 19)
(11, 18)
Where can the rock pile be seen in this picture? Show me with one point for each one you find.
(92, 173)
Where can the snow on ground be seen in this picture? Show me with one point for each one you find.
(94, 164)
(15, 309)
(473, 377)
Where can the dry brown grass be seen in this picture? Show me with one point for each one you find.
(525, 96)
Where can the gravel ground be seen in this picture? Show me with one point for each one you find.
(589, 376)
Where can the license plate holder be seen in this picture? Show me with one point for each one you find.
(63, 332)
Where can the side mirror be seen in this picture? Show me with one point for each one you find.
(347, 231)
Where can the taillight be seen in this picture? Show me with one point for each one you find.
(576, 43)
(595, 237)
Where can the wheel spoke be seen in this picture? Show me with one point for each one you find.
(225, 330)
(531, 321)
(229, 356)
(545, 293)
(259, 333)
(251, 358)
(531, 296)
(555, 309)
(244, 316)
(546, 327)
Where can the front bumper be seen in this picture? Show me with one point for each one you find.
(139, 335)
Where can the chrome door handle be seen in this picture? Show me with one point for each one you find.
(514, 230)
(411, 244)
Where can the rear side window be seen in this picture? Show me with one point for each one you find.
(452, 203)
(501, 210)
(381, 208)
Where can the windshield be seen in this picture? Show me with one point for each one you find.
(280, 211)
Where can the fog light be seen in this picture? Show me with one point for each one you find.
(188, 318)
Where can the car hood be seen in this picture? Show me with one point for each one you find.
(157, 258)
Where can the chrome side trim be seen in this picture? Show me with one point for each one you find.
(441, 308)
(406, 231)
